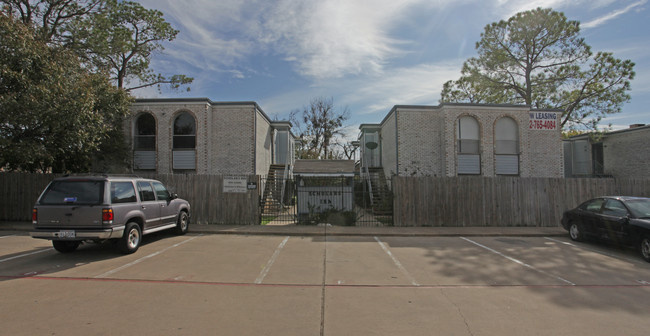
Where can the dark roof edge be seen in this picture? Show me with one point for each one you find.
(206, 101)
(624, 130)
(440, 106)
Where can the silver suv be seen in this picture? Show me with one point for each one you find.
(98, 208)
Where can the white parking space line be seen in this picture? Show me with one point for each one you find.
(26, 254)
(596, 251)
(275, 255)
(115, 270)
(518, 261)
(13, 235)
(397, 263)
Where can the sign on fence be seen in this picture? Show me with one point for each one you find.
(234, 184)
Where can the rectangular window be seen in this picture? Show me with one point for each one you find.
(184, 142)
(469, 164)
(184, 159)
(146, 192)
(74, 192)
(507, 147)
(507, 164)
(122, 192)
(161, 192)
(144, 160)
(468, 146)
(144, 142)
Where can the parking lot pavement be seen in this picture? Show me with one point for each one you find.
(324, 285)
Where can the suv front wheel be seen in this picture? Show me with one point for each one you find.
(183, 223)
(131, 239)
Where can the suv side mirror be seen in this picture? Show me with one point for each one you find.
(174, 196)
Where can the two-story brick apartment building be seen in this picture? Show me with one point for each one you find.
(197, 135)
(464, 139)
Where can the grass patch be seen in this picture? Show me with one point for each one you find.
(267, 219)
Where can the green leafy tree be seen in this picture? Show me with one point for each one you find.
(317, 125)
(538, 58)
(55, 115)
(121, 40)
(52, 18)
(113, 37)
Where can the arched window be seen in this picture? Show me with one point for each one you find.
(184, 142)
(144, 142)
(506, 146)
(468, 146)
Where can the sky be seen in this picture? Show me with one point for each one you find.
(367, 55)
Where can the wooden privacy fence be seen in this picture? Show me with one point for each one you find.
(417, 201)
(19, 192)
(210, 204)
(499, 201)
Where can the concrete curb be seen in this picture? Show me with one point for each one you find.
(293, 230)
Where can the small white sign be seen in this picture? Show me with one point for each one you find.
(234, 184)
(543, 120)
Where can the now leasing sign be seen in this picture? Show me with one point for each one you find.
(543, 121)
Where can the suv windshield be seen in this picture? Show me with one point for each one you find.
(74, 192)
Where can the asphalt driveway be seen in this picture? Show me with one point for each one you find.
(209, 284)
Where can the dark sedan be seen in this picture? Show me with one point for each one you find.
(621, 219)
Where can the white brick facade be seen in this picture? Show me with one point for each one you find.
(422, 140)
(231, 138)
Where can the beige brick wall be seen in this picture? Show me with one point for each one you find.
(225, 135)
(388, 145)
(627, 154)
(427, 146)
(540, 150)
(420, 141)
(233, 139)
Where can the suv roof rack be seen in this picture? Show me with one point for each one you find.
(102, 175)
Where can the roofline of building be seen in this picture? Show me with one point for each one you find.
(440, 106)
(625, 130)
(369, 125)
(205, 100)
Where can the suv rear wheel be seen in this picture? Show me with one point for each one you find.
(64, 246)
(131, 239)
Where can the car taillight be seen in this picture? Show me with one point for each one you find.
(107, 216)
(34, 216)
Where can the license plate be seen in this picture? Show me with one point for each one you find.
(67, 234)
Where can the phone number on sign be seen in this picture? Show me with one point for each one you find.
(542, 124)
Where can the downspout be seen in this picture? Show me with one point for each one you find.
(396, 146)
(254, 140)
